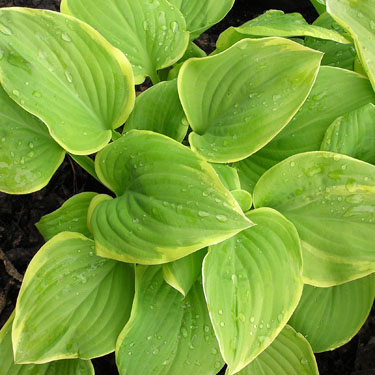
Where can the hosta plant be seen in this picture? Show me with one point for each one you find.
(239, 224)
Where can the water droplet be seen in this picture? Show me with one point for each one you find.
(222, 324)
(234, 279)
(292, 164)
(280, 317)
(252, 319)
(203, 214)
(145, 25)
(241, 317)
(135, 220)
(149, 338)
(68, 76)
(213, 351)
(174, 26)
(165, 363)
(220, 312)
(66, 37)
(5, 30)
(304, 361)
(16, 92)
(184, 332)
(31, 144)
(221, 218)
(155, 351)
(218, 365)
(37, 94)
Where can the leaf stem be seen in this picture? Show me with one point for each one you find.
(86, 163)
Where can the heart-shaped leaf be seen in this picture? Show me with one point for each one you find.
(330, 317)
(61, 367)
(315, 188)
(65, 73)
(335, 92)
(170, 201)
(358, 18)
(70, 217)
(165, 332)
(252, 283)
(353, 134)
(151, 33)
(276, 23)
(72, 304)
(159, 109)
(220, 106)
(182, 273)
(201, 15)
(290, 354)
(26, 146)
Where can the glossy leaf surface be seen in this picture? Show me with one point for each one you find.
(219, 106)
(152, 34)
(62, 367)
(72, 304)
(252, 283)
(165, 332)
(315, 188)
(353, 134)
(290, 354)
(159, 109)
(276, 23)
(70, 217)
(335, 54)
(201, 15)
(170, 201)
(182, 273)
(335, 92)
(330, 317)
(358, 18)
(28, 155)
(62, 71)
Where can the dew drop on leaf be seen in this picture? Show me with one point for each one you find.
(65, 37)
(221, 218)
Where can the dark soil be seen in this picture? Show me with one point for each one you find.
(19, 239)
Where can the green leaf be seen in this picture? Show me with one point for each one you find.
(243, 198)
(316, 188)
(228, 176)
(182, 273)
(170, 201)
(62, 367)
(252, 283)
(29, 156)
(151, 33)
(159, 109)
(65, 73)
(201, 15)
(72, 304)
(192, 51)
(335, 92)
(276, 23)
(335, 54)
(319, 5)
(353, 134)
(167, 335)
(358, 18)
(330, 317)
(290, 354)
(220, 106)
(71, 217)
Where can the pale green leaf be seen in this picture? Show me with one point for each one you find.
(319, 5)
(201, 15)
(71, 217)
(166, 334)
(289, 354)
(62, 367)
(159, 109)
(220, 106)
(243, 198)
(170, 201)
(353, 134)
(276, 23)
(65, 73)
(72, 304)
(330, 198)
(28, 155)
(228, 176)
(330, 317)
(358, 18)
(151, 33)
(335, 54)
(182, 273)
(335, 92)
(252, 283)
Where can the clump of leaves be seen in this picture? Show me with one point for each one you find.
(240, 227)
